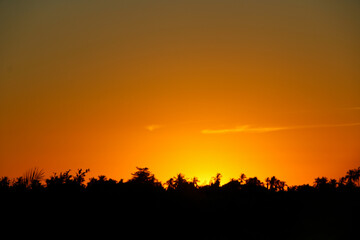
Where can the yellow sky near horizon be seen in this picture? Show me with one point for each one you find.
(198, 87)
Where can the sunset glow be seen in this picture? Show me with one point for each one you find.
(194, 87)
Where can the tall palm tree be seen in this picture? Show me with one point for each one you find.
(195, 181)
(216, 180)
(180, 181)
(267, 180)
(273, 183)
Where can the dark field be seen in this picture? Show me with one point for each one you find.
(143, 208)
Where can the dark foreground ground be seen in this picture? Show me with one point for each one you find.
(173, 215)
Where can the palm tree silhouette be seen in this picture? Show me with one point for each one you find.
(281, 185)
(143, 175)
(274, 183)
(267, 180)
(180, 182)
(352, 176)
(33, 177)
(170, 184)
(216, 180)
(242, 178)
(195, 181)
(321, 183)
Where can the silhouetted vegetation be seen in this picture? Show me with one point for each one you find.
(245, 207)
(144, 180)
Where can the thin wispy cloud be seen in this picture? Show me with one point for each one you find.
(250, 129)
(243, 129)
(153, 127)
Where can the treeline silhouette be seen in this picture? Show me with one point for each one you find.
(143, 207)
(144, 180)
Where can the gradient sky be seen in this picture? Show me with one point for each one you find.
(198, 87)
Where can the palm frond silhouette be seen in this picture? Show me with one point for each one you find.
(33, 176)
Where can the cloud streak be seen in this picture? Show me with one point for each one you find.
(249, 129)
(243, 129)
(153, 127)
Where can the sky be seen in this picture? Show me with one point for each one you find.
(195, 87)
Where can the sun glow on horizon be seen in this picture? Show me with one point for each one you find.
(199, 88)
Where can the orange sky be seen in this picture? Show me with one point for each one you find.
(198, 87)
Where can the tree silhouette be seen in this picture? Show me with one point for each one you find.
(33, 177)
(170, 184)
(242, 178)
(19, 185)
(65, 182)
(101, 184)
(253, 184)
(353, 176)
(233, 185)
(194, 182)
(342, 182)
(79, 178)
(321, 183)
(143, 176)
(143, 179)
(333, 183)
(215, 182)
(4, 184)
(267, 181)
(180, 183)
(281, 185)
(142, 201)
(274, 184)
